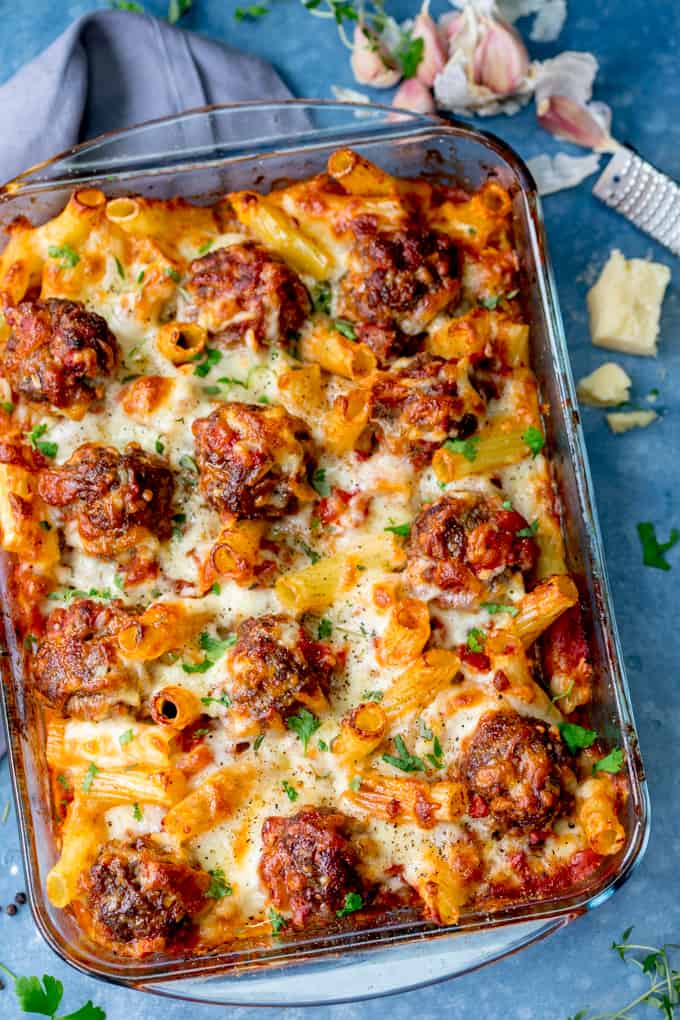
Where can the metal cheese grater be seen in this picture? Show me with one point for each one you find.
(644, 195)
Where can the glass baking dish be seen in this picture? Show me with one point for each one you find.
(200, 155)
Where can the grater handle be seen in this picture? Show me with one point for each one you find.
(644, 195)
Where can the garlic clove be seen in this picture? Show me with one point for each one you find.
(371, 64)
(582, 124)
(415, 96)
(434, 49)
(501, 61)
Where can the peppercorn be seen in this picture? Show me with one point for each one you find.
(11, 909)
(20, 898)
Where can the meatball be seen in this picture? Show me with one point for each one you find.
(515, 769)
(387, 341)
(77, 667)
(463, 541)
(140, 897)
(115, 498)
(404, 277)
(420, 403)
(253, 460)
(244, 287)
(57, 352)
(273, 662)
(308, 864)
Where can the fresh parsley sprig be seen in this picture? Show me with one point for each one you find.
(653, 550)
(304, 724)
(404, 760)
(43, 997)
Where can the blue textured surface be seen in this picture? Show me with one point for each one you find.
(637, 477)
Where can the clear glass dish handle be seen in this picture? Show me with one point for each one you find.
(352, 976)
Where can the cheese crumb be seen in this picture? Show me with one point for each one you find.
(625, 304)
(607, 386)
(623, 421)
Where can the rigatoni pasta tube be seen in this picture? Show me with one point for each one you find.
(175, 707)
(180, 342)
(507, 655)
(83, 832)
(108, 787)
(273, 227)
(346, 420)
(421, 682)
(337, 354)
(208, 805)
(494, 447)
(406, 634)
(596, 802)
(358, 176)
(361, 731)
(162, 627)
(79, 742)
(303, 388)
(404, 800)
(21, 511)
(542, 606)
(443, 891)
(236, 551)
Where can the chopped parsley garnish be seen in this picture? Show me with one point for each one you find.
(564, 694)
(319, 482)
(140, 278)
(63, 781)
(173, 274)
(308, 551)
(46, 448)
(290, 791)
(92, 771)
(491, 302)
(216, 588)
(215, 646)
(466, 447)
(405, 761)
(198, 667)
(353, 901)
(534, 439)
(277, 921)
(69, 258)
(30, 642)
(205, 247)
(528, 532)
(137, 812)
(436, 759)
(119, 267)
(7, 406)
(653, 550)
(251, 11)
(211, 391)
(228, 380)
(257, 743)
(223, 700)
(512, 294)
(409, 54)
(126, 737)
(321, 298)
(188, 463)
(576, 737)
(322, 745)
(159, 446)
(177, 9)
(424, 730)
(476, 640)
(325, 629)
(81, 593)
(304, 724)
(613, 762)
(499, 607)
(263, 400)
(45, 525)
(207, 360)
(507, 504)
(345, 328)
(219, 887)
(372, 696)
(355, 783)
(403, 530)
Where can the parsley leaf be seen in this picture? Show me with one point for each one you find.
(207, 359)
(277, 921)
(215, 646)
(198, 667)
(290, 791)
(119, 267)
(476, 640)
(216, 588)
(251, 11)
(223, 700)
(466, 447)
(7, 406)
(353, 902)
(257, 743)
(321, 297)
(612, 763)
(325, 629)
(653, 550)
(403, 530)
(34, 437)
(69, 258)
(126, 737)
(534, 439)
(346, 328)
(406, 761)
(35, 996)
(127, 5)
(137, 812)
(372, 696)
(528, 532)
(172, 274)
(319, 482)
(159, 446)
(409, 54)
(499, 607)
(308, 551)
(177, 9)
(205, 247)
(92, 771)
(436, 759)
(219, 887)
(491, 302)
(576, 737)
(304, 724)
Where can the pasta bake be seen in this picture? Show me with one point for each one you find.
(287, 564)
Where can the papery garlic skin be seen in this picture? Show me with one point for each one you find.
(501, 61)
(371, 63)
(434, 55)
(415, 96)
(563, 91)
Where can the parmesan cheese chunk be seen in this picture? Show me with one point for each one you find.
(607, 386)
(623, 421)
(625, 304)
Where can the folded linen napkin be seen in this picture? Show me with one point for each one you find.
(112, 69)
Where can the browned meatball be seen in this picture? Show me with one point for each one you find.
(417, 405)
(463, 541)
(245, 287)
(58, 352)
(77, 667)
(115, 498)
(404, 277)
(516, 769)
(309, 864)
(253, 460)
(140, 898)
(387, 341)
(273, 662)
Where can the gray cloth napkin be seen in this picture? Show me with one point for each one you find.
(113, 69)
